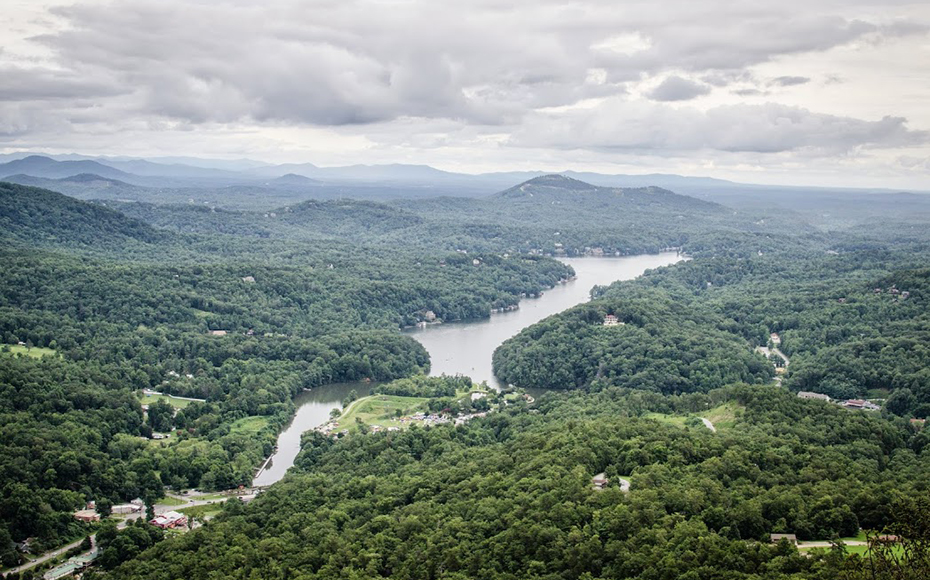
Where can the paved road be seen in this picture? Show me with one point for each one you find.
(828, 544)
(45, 557)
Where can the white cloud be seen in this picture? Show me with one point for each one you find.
(535, 75)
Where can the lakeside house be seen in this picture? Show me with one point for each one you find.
(599, 481)
(776, 340)
(612, 320)
(218, 333)
(775, 538)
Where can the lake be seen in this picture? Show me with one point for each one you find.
(313, 408)
(464, 347)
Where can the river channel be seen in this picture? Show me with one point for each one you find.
(464, 347)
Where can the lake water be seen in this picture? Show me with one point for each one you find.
(464, 347)
(313, 408)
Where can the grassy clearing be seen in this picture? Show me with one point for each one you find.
(723, 416)
(248, 425)
(35, 351)
(381, 410)
(174, 402)
(199, 511)
(677, 420)
(210, 497)
(171, 501)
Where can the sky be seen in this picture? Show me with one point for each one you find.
(818, 92)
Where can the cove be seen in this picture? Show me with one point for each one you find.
(464, 347)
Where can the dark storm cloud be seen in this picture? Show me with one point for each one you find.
(676, 88)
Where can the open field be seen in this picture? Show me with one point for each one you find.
(200, 511)
(854, 545)
(171, 501)
(722, 417)
(173, 401)
(35, 351)
(249, 425)
(381, 410)
(677, 420)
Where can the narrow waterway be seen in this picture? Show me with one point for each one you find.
(313, 408)
(463, 347)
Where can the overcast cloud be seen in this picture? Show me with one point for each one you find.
(478, 85)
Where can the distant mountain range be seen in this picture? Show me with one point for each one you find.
(38, 166)
(364, 181)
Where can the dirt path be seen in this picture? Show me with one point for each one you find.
(708, 424)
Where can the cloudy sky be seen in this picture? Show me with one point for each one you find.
(787, 91)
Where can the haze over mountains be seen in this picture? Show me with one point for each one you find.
(416, 180)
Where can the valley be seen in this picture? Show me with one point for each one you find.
(162, 347)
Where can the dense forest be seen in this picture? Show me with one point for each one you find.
(104, 303)
(854, 322)
(510, 496)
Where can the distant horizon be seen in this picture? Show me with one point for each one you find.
(222, 164)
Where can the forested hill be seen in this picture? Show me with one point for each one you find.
(510, 496)
(551, 215)
(348, 218)
(96, 306)
(852, 323)
(559, 189)
(43, 217)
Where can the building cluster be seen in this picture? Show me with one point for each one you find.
(331, 428)
(857, 404)
(612, 320)
(169, 520)
(73, 566)
(895, 293)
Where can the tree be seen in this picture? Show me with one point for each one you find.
(902, 551)
(161, 415)
(104, 507)
(901, 401)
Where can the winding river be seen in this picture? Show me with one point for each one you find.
(464, 347)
